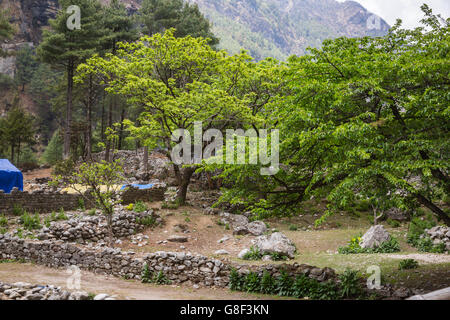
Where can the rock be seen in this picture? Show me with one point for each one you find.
(240, 230)
(402, 293)
(243, 253)
(276, 243)
(266, 258)
(225, 238)
(374, 237)
(257, 228)
(176, 238)
(221, 252)
(79, 295)
(101, 296)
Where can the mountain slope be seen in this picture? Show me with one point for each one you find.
(280, 28)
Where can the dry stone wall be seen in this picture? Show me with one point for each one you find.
(178, 267)
(48, 201)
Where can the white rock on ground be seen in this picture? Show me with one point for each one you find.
(221, 252)
(374, 237)
(276, 243)
(243, 253)
(257, 228)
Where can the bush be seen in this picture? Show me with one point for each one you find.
(17, 210)
(354, 247)
(417, 227)
(30, 222)
(146, 221)
(293, 227)
(139, 207)
(408, 264)
(147, 276)
(302, 286)
(426, 245)
(393, 223)
(253, 254)
(53, 153)
(3, 221)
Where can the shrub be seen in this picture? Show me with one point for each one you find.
(17, 210)
(252, 282)
(92, 212)
(81, 203)
(30, 222)
(236, 281)
(293, 227)
(146, 221)
(417, 227)
(275, 256)
(129, 207)
(139, 207)
(408, 264)
(253, 254)
(267, 284)
(147, 276)
(284, 284)
(3, 221)
(350, 286)
(426, 245)
(354, 247)
(393, 223)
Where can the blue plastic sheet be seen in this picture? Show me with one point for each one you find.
(10, 176)
(139, 186)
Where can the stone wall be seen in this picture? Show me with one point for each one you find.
(47, 201)
(37, 201)
(178, 267)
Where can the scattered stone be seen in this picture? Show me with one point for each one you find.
(176, 238)
(257, 228)
(374, 237)
(243, 253)
(275, 243)
(101, 296)
(221, 252)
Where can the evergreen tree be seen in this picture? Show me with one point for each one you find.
(26, 65)
(65, 49)
(160, 15)
(16, 129)
(6, 31)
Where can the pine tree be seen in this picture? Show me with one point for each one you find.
(16, 129)
(26, 65)
(65, 49)
(6, 31)
(160, 15)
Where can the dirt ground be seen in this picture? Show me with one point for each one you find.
(122, 289)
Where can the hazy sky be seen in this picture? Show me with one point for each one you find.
(407, 10)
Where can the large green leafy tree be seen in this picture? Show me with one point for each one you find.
(65, 49)
(176, 81)
(160, 15)
(366, 118)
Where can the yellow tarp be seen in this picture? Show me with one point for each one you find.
(77, 188)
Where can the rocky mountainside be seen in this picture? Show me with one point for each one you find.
(275, 28)
(280, 28)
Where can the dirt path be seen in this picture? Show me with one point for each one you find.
(123, 289)
(423, 257)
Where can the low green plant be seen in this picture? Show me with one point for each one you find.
(284, 284)
(354, 247)
(267, 283)
(293, 227)
(408, 264)
(275, 256)
(30, 222)
(393, 223)
(81, 205)
(426, 245)
(3, 220)
(147, 276)
(139, 207)
(252, 282)
(17, 210)
(170, 205)
(148, 221)
(253, 254)
(236, 282)
(350, 284)
(92, 212)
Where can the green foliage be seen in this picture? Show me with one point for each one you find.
(359, 117)
(253, 254)
(3, 221)
(417, 227)
(408, 264)
(16, 130)
(354, 247)
(293, 227)
(139, 207)
(18, 210)
(393, 223)
(30, 222)
(53, 153)
(92, 212)
(148, 276)
(349, 285)
(426, 245)
(149, 221)
(81, 204)
(186, 18)
(6, 30)
(26, 65)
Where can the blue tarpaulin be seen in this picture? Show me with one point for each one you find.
(10, 176)
(139, 186)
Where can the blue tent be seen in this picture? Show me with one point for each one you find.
(10, 176)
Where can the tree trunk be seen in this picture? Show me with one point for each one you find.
(146, 160)
(430, 205)
(108, 142)
(103, 119)
(122, 117)
(89, 122)
(67, 134)
(182, 189)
